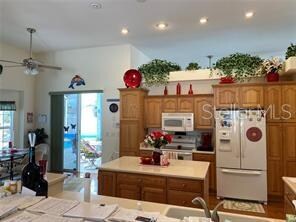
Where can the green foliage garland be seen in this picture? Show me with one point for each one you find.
(239, 66)
(157, 71)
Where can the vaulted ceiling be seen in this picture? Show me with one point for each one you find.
(71, 24)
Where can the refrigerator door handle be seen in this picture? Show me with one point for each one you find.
(244, 172)
(242, 139)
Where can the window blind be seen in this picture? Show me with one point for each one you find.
(7, 106)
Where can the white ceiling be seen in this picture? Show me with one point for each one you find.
(69, 24)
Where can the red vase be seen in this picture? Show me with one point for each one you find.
(156, 156)
(178, 89)
(165, 92)
(190, 92)
(273, 77)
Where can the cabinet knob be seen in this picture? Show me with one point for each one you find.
(183, 202)
(183, 185)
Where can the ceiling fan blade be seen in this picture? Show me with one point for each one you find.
(50, 67)
(20, 63)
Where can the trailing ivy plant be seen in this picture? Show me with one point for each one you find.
(157, 72)
(193, 66)
(291, 51)
(240, 66)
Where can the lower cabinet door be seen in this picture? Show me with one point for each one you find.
(153, 194)
(182, 198)
(128, 191)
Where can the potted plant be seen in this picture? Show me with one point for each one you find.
(270, 68)
(157, 139)
(237, 66)
(157, 72)
(291, 51)
(193, 66)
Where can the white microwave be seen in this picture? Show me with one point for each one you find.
(177, 122)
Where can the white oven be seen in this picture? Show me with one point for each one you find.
(177, 122)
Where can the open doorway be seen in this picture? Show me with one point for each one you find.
(82, 132)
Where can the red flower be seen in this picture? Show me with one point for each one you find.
(157, 134)
(168, 138)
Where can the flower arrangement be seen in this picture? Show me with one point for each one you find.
(158, 139)
(273, 65)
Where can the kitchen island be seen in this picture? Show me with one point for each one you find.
(176, 184)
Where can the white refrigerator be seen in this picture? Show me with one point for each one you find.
(241, 154)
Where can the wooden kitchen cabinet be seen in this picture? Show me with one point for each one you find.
(251, 97)
(289, 148)
(107, 183)
(153, 110)
(212, 170)
(182, 191)
(159, 189)
(275, 170)
(289, 103)
(132, 129)
(273, 102)
(169, 105)
(203, 112)
(153, 189)
(185, 105)
(226, 96)
(129, 138)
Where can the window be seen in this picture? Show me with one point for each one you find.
(6, 128)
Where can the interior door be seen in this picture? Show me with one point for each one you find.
(227, 139)
(253, 140)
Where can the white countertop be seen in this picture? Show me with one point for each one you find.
(178, 168)
(291, 182)
(132, 204)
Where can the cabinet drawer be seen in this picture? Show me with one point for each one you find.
(181, 198)
(150, 181)
(185, 185)
(123, 178)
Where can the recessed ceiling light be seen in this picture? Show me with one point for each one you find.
(249, 14)
(96, 5)
(124, 31)
(162, 26)
(203, 20)
(141, 1)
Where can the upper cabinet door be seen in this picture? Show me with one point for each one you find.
(251, 97)
(130, 105)
(289, 103)
(272, 102)
(153, 110)
(185, 105)
(203, 112)
(169, 105)
(226, 96)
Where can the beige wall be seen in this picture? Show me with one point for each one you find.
(102, 68)
(14, 83)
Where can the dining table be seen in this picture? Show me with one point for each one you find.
(10, 155)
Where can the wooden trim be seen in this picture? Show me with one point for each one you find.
(179, 96)
(133, 89)
(255, 84)
(76, 92)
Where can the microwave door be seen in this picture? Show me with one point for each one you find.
(173, 124)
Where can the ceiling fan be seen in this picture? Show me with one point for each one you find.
(31, 65)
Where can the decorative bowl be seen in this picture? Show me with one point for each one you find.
(132, 78)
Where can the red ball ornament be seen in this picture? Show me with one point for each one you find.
(132, 78)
